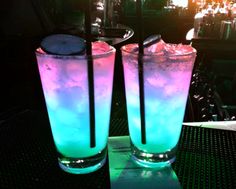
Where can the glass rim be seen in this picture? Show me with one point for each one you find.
(156, 54)
(40, 52)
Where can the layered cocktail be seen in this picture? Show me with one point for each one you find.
(167, 71)
(65, 85)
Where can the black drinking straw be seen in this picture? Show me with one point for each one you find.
(90, 72)
(140, 67)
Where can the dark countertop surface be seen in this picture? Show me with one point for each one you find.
(205, 157)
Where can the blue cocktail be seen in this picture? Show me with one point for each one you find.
(65, 85)
(167, 71)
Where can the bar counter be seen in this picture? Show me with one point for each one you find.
(205, 157)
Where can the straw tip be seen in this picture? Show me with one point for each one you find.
(152, 39)
(63, 44)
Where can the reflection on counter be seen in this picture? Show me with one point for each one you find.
(124, 173)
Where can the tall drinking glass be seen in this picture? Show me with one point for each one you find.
(167, 71)
(65, 85)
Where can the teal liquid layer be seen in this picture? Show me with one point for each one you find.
(82, 170)
(82, 165)
(152, 160)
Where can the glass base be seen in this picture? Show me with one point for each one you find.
(82, 165)
(152, 160)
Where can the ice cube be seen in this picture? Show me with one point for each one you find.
(52, 101)
(66, 116)
(131, 48)
(178, 49)
(156, 48)
(156, 81)
(100, 47)
(170, 89)
(75, 74)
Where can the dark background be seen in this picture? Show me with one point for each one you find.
(24, 23)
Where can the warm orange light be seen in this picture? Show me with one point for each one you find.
(180, 3)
